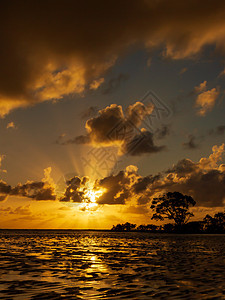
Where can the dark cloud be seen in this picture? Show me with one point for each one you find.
(34, 190)
(75, 190)
(37, 190)
(118, 187)
(204, 180)
(142, 183)
(207, 188)
(100, 126)
(191, 144)
(141, 144)
(4, 187)
(182, 168)
(52, 48)
(113, 127)
(114, 83)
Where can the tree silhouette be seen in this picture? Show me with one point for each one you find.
(209, 224)
(215, 224)
(220, 221)
(173, 206)
(124, 227)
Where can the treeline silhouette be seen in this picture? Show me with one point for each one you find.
(209, 224)
(175, 206)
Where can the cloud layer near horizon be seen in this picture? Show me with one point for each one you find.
(37, 190)
(203, 180)
(51, 49)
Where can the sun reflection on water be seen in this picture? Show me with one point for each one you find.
(97, 265)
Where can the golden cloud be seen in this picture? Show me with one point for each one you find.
(51, 49)
(206, 101)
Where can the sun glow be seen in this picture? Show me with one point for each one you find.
(91, 195)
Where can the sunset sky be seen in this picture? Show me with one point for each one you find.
(107, 104)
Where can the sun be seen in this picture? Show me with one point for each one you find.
(91, 196)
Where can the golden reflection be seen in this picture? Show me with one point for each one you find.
(97, 265)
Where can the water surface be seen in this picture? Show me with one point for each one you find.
(110, 265)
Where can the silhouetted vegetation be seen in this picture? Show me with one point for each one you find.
(175, 206)
(214, 224)
(209, 224)
(124, 227)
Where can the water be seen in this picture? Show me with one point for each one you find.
(109, 265)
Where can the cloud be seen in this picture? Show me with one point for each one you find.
(201, 87)
(142, 183)
(4, 190)
(96, 83)
(204, 180)
(141, 144)
(20, 210)
(76, 189)
(182, 168)
(49, 52)
(111, 190)
(1, 158)
(206, 101)
(34, 190)
(222, 73)
(37, 190)
(11, 125)
(3, 197)
(191, 143)
(113, 127)
(118, 189)
(117, 186)
(4, 187)
(114, 83)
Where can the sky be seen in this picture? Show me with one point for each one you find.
(105, 105)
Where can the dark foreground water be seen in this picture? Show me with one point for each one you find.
(109, 265)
